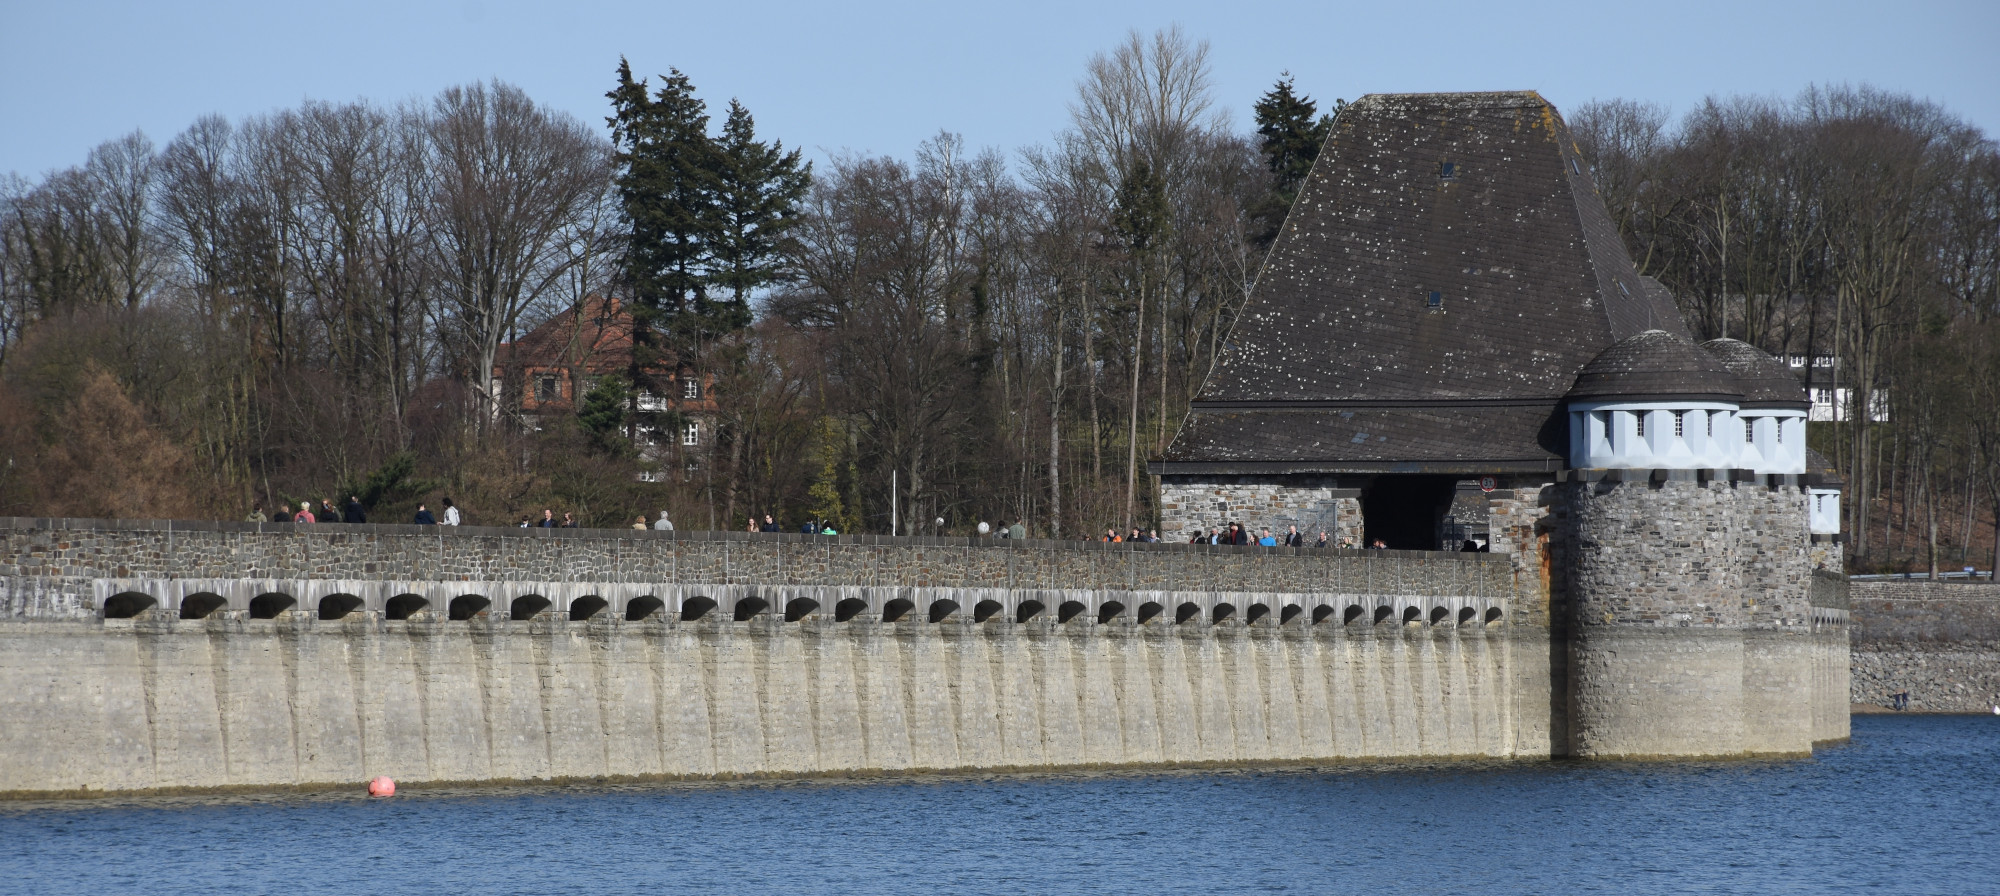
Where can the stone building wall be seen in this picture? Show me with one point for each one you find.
(1260, 502)
(1526, 525)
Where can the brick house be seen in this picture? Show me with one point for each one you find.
(549, 370)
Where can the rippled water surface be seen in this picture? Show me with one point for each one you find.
(1911, 806)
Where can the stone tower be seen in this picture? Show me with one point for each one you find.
(1691, 630)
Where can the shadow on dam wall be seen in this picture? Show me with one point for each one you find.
(134, 657)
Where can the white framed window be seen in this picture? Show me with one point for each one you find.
(690, 388)
(691, 433)
(1680, 423)
(546, 388)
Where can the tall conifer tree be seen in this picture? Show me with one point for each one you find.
(760, 187)
(1290, 138)
(667, 187)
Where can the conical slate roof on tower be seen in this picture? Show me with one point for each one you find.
(1446, 271)
(1656, 364)
(1764, 379)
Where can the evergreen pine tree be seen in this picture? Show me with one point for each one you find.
(602, 415)
(668, 188)
(759, 188)
(1290, 138)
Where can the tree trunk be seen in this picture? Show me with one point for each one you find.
(1132, 426)
(1055, 429)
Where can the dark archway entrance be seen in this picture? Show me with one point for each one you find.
(1405, 511)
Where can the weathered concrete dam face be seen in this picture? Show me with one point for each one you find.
(139, 656)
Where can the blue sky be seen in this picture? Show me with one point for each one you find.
(879, 77)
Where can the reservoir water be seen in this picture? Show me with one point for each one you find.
(1911, 806)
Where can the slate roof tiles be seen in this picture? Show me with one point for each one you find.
(1478, 198)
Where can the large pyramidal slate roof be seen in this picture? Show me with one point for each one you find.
(1446, 271)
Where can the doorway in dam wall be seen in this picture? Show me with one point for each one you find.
(1406, 511)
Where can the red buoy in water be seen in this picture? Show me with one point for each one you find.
(382, 786)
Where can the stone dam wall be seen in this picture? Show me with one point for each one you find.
(1940, 642)
(147, 655)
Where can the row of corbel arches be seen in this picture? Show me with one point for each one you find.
(465, 607)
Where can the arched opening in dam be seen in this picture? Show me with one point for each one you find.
(749, 608)
(941, 610)
(1149, 610)
(1221, 612)
(1111, 610)
(587, 607)
(1384, 614)
(1352, 615)
(644, 608)
(1255, 614)
(338, 606)
(694, 608)
(128, 604)
(201, 606)
(1029, 609)
(1289, 613)
(1492, 615)
(1412, 615)
(1467, 616)
(466, 606)
(405, 606)
(985, 609)
(848, 609)
(1068, 610)
(798, 608)
(528, 606)
(1322, 613)
(1440, 615)
(268, 606)
(1186, 611)
(895, 610)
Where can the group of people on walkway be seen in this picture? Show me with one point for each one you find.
(1237, 533)
(809, 527)
(351, 512)
(1142, 536)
